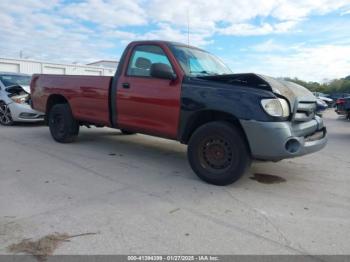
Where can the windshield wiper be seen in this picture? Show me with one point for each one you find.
(204, 72)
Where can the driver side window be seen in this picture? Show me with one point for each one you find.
(143, 57)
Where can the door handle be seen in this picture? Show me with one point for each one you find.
(126, 85)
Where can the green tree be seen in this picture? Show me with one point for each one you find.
(341, 85)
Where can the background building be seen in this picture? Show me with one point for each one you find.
(39, 67)
(105, 63)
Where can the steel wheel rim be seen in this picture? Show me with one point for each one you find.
(5, 114)
(216, 154)
(58, 124)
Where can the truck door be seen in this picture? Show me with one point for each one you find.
(146, 104)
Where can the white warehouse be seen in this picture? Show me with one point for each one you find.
(38, 67)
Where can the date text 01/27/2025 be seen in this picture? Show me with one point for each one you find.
(173, 258)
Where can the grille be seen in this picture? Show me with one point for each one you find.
(305, 111)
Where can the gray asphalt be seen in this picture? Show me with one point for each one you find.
(140, 196)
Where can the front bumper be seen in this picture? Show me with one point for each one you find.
(275, 141)
(24, 113)
(341, 112)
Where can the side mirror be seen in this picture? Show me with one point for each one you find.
(160, 70)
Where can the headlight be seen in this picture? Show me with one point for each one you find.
(321, 102)
(276, 107)
(21, 99)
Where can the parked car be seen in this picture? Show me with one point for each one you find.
(184, 93)
(343, 106)
(336, 96)
(321, 106)
(329, 101)
(15, 100)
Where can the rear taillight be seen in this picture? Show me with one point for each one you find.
(340, 101)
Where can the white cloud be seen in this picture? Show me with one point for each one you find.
(297, 9)
(308, 63)
(166, 31)
(62, 31)
(41, 34)
(268, 46)
(233, 17)
(284, 27)
(271, 46)
(207, 14)
(163, 32)
(245, 29)
(109, 13)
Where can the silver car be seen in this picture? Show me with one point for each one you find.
(15, 100)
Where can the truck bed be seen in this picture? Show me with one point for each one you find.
(88, 96)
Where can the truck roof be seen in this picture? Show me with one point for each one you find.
(164, 42)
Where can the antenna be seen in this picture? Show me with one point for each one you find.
(188, 27)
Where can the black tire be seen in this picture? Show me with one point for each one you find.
(5, 115)
(126, 132)
(63, 127)
(218, 153)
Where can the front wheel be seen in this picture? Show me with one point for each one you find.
(63, 127)
(5, 115)
(218, 153)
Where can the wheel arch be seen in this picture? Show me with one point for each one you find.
(203, 117)
(52, 100)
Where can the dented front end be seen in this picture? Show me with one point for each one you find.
(19, 106)
(303, 133)
(280, 134)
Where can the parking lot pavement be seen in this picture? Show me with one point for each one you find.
(140, 196)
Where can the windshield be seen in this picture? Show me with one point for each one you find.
(10, 80)
(196, 62)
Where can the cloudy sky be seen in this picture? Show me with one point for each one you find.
(309, 39)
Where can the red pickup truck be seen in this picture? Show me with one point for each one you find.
(183, 93)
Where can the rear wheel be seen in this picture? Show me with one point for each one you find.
(218, 153)
(63, 127)
(5, 115)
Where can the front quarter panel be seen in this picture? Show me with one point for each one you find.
(241, 102)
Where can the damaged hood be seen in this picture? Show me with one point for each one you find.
(291, 91)
(18, 89)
